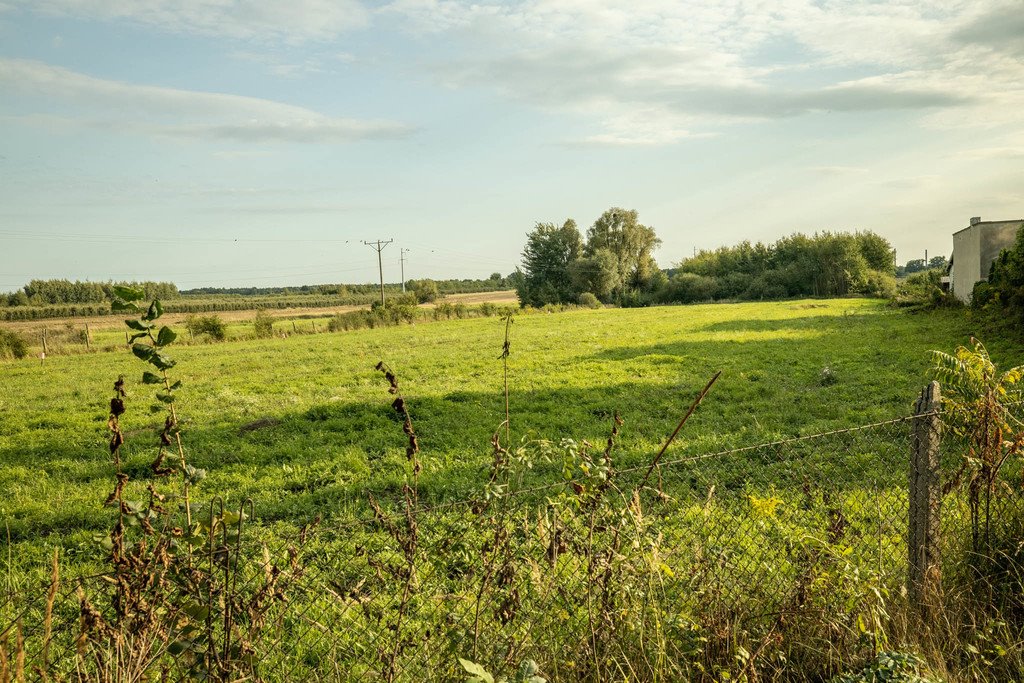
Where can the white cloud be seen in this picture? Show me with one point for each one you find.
(292, 21)
(697, 66)
(114, 105)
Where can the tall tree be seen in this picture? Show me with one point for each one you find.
(549, 251)
(597, 274)
(631, 243)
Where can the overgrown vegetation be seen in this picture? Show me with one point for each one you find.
(923, 291)
(591, 566)
(1001, 297)
(823, 264)
(615, 265)
(210, 325)
(12, 345)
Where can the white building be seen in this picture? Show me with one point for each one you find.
(974, 249)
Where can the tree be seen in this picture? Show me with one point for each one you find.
(425, 290)
(549, 251)
(597, 274)
(619, 231)
(877, 251)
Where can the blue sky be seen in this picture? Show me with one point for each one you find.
(230, 142)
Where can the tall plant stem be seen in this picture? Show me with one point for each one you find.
(181, 456)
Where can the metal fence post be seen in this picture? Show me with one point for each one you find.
(925, 569)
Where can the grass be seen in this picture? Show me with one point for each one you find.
(302, 425)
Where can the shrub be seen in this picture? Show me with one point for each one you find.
(923, 290)
(879, 284)
(688, 288)
(210, 325)
(425, 291)
(487, 309)
(589, 300)
(263, 325)
(443, 310)
(12, 345)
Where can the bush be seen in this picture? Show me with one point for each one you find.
(589, 300)
(210, 325)
(443, 310)
(12, 345)
(263, 325)
(487, 309)
(879, 284)
(686, 288)
(924, 291)
(425, 291)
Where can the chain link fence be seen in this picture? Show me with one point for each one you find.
(782, 557)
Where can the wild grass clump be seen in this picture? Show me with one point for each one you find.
(210, 325)
(12, 345)
(263, 325)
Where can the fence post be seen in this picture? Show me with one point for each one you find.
(925, 569)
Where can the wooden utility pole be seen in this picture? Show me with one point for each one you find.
(401, 259)
(379, 247)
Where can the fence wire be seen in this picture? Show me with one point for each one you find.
(709, 563)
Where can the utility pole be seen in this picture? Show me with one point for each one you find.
(401, 259)
(379, 246)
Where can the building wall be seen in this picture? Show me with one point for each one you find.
(974, 250)
(994, 238)
(966, 262)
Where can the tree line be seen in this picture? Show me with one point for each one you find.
(614, 263)
(60, 292)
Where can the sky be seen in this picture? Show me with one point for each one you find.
(256, 142)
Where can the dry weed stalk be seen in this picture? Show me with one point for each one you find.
(408, 537)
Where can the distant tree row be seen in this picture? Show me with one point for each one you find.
(616, 264)
(63, 292)
(823, 264)
(919, 265)
(454, 286)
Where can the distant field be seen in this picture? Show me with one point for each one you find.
(66, 335)
(303, 424)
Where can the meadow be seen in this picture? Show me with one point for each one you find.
(303, 425)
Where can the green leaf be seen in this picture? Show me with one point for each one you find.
(118, 306)
(176, 385)
(151, 378)
(177, 647)
(139, 335)
(166, 336)
(138, 324)
(143, 351)
(161, 362)
(477, 673)
(165, 397)
(128, 293)
(155, 310)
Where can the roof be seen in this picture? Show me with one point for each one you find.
(1012, 220)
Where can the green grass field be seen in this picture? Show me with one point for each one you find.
(303, 425)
